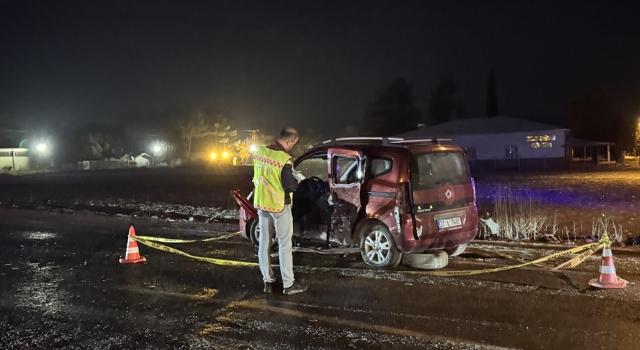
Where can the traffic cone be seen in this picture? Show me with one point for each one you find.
(608, 278)
(132, 255)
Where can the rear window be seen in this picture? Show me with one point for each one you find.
(429, 170)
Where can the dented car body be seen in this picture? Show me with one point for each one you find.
(384, 196)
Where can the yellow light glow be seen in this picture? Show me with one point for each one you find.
(225, 154)
(253, 148)
(214, 155)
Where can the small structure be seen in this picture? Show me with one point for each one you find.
(12, 159)
(585, 151)
(503, 142)
(143, 160)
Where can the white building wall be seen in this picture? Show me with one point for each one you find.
(20, 162)
(492, 146)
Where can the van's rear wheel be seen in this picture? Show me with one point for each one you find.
(254, 232)
(378, 248)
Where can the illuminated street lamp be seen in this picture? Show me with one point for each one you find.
(253, 148)
(214, 155)
(41, 147)
(156, 149)
(225, 154)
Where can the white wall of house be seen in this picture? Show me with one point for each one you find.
(142, 161)
(530, 144)
(19, 160)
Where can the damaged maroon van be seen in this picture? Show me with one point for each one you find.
(382, 196)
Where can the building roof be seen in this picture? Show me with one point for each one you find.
(144, 155)
(495, 125)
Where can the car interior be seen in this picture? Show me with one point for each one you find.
(312, 211)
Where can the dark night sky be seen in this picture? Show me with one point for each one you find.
(308, 63)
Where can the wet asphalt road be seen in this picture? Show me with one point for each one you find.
(62, 287)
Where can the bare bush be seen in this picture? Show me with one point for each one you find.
(520, 217)
(606, 225)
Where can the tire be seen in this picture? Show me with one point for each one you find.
(455, 251)
(427, 261)
(253, 232)
(378, 249)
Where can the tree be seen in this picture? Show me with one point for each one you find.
(243, 150)
(222, 132)
(492, 97)
(442, 103)
(194, 127)
(393, 111)
(595, 115)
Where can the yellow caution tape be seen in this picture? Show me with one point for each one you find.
(576, 250)
(579, 259)
(176, 240)
(221, 262)
(586, 250)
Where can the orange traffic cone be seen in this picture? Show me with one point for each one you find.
(608, 278)
(132, 255)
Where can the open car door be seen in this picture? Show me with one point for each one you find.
(346, 174)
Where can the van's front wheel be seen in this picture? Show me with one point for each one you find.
(378, 248)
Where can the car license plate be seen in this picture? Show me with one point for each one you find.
(447, 223)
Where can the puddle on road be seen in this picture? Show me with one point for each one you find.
(39, 235)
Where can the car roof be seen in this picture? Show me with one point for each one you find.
(383, 145)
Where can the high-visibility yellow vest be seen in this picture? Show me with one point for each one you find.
(267, 179)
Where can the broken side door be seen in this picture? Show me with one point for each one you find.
(346, 174)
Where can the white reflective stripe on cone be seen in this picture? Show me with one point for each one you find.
(611, 270)
(132, 250)
(606, 252)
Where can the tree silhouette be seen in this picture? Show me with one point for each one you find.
(595, 115)
(194, 127)
(392, 112)
(442, 103)
(492, 97)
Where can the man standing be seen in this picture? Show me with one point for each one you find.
(274, 185)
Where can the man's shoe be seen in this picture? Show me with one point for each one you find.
(268, 287)
(295, 289)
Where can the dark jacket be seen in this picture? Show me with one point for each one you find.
(289, 183)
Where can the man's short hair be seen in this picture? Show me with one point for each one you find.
(288, 134)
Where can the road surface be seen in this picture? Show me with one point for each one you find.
(62, 287)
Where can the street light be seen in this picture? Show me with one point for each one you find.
(253, 148)
(156, 149)
(41, 147)
(225, 154)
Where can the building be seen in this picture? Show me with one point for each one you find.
(14, 159)
(508, 143)
(143, 160)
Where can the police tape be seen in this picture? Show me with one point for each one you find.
(221, 262)
(584, 252)
(176, 240)
(587, 250)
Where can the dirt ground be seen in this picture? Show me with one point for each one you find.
(574, 200)
(571, 200)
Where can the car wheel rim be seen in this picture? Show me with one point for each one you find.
(377, 247)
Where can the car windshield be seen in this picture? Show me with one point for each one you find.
(429, 170)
